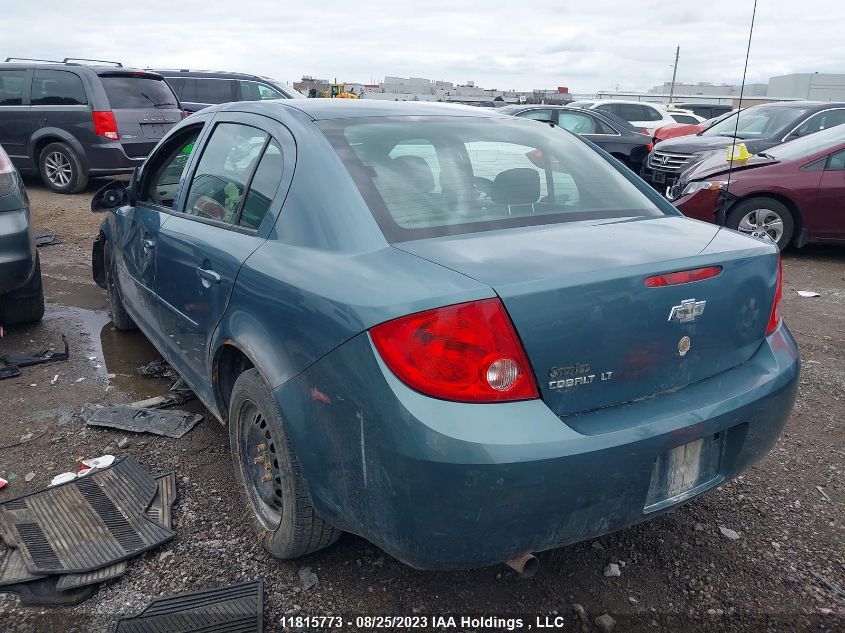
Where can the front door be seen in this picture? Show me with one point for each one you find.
(220, 224)
(138, 227)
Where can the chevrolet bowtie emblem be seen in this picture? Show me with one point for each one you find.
(687, 311)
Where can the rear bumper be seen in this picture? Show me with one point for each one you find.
(444, 485)
(111, 159)
(17, 250)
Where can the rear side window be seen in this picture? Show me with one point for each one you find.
(684, 118)
(431, 176)
(214, 91)
(652, 115)
(837, 161)
(254, 91)
(127, 92)
(57, 87)
(580, 123)
(11, 87)
(537, 115)
(263, 187)
(224, 171)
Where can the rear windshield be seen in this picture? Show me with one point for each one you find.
(129, 91)
(442, 175)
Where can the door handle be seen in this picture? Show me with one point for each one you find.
(208, 277)
(148, 244)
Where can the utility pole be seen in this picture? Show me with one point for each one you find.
(674, 74)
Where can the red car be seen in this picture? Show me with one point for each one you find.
(794, 192)
(679, 129)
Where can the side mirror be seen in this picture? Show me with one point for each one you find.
(111, 196)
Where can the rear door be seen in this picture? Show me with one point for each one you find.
(14, 115)
(829, 222)
(226, 213)
(201, 92)
(145, 109)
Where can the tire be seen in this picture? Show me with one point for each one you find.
(757, 216)
(24, 305)
(276, 496)
(61, 170)
(119, 316)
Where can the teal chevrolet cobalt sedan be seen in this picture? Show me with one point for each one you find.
(463, 336)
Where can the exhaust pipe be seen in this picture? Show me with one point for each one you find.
(525, 565)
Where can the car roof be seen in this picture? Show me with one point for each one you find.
(99, 69)
(324, 109)
(820, 105)
(208, 74)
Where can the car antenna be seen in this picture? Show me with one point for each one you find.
(739, 107)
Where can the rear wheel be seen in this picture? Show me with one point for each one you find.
(763, 217)
(268, 473)
(61, 170)
(24, 305)
(119, 316)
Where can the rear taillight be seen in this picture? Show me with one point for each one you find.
(105, 125)
(185, 114)
(8, 179)
(649, 146)
(467, 352)
(682, 277)
(777, 315)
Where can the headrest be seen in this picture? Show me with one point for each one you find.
(520, 185)
(416, 170)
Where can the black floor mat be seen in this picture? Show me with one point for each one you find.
(233, 609)
(169, 422)
(13, 571)
(87, 523)
(43, 592)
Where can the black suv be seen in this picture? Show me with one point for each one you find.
(70, 120)
(198, 89)
(21, 294)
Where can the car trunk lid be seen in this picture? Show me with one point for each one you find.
(594, 333)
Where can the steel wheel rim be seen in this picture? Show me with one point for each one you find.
(762, 223)
(58, 168)
(260, 465)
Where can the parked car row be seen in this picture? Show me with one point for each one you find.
(73, 119)
(760, 128)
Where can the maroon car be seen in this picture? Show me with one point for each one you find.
(794, 192)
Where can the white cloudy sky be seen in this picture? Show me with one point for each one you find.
(523, 44)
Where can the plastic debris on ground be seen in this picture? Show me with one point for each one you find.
(169, 422)
(156, 369)
(238, 607)
(10, 364)
(44, 237)
(807, 293)
(78, 562)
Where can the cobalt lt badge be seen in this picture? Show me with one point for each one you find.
(683, 345)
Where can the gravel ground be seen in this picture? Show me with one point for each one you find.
(678, 571)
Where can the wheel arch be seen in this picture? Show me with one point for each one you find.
(230, 361)
(790, 204)
(47, 135)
